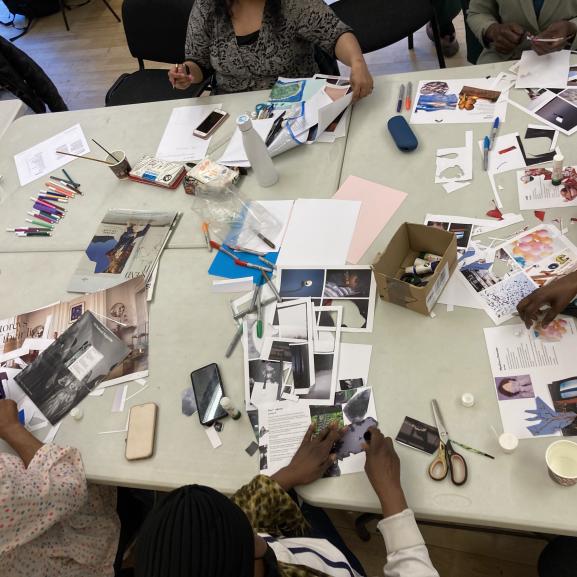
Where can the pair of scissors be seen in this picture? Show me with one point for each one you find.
(447, 461)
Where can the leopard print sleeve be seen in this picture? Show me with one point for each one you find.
(270, 509)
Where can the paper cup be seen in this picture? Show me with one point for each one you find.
(121, 166)
(561, 459)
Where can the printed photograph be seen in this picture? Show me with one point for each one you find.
(559, 112)
(301, 367)
(462, 232)
(517, 387)
(356, 408)
(292, 321)
(439, 225)
(418, 435)
(503, 297)
(265, 381)
(321, 389)
(564, 396)
(323, 417)
(343, 397)
(355, 313)
(434, 97)
(570, 95)
(71, 367)
(553, 332)
(299, 283)
(348, 384)
(470, 96)
(348, 283)
(280, 351)
(533, 247)
(558, 265)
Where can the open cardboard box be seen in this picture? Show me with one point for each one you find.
(408, 242)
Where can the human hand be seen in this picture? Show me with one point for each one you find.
(361, 79)
(312, 458)
(557, 295)
(383, 468)
(505, 37)
(8, 417)
(560, 31)
(180, 76)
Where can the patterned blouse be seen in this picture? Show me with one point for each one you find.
(285, 49)
(51, 523)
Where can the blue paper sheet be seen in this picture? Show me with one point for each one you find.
(224, 266)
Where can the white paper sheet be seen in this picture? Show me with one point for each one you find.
(459, 159)
(535, 364)
(319, 232)
(546, 71)
(42, 158)
(354, 361)
(282, 427)
(536, 191)
(232, 285)
(178, 141)
(234, 154)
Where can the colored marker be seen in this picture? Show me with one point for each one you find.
(239, 262)
(264, 239)
(243, 314)
(57, 194)
(267, 262)
(43, 233)
(494, 130)
(206, 236)
(408, 97)
(48, 204)
(44, 225)
(220, 248)
(49, 197)
(65, 183)
(272, 287)
(60, 188)
(258, 317)
(40, 216)
(234, 341)
(48, 200)
(44, 208)
(401, 97)
(26, 229)
(246, 250)
(486, 147)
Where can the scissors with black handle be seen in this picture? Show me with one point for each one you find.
(447, 461)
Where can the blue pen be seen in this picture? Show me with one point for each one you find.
(486, 148)
(494, 132)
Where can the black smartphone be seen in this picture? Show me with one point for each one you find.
(207, 388)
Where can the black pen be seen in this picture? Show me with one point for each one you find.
(401, 98)
(275, 129)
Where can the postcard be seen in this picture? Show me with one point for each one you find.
(70, 368)
(418, 435)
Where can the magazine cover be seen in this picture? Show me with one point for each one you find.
(122, 309)
(127, 244)
(75, 364)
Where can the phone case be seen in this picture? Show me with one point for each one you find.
(141, 432)
(213, 129)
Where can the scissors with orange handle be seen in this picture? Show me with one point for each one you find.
(447, 461)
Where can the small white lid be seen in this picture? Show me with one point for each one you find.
(558, 157)
(508, 441)
(76, 413)
(244, 122)
(467, 399)
(226, 403)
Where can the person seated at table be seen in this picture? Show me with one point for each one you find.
(545, 303)
(507, 27)
(248, 44)
(52, 523)
(261, 531)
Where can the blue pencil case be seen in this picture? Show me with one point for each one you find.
(402, 134)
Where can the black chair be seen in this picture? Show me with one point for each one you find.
(380, 23)
(155, 30)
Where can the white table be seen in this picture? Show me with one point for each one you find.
(415, 358)
(307, 171)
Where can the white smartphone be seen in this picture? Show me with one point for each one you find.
(210, 124)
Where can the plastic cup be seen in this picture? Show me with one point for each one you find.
(120, 166)
(508, 442)
(561, 459)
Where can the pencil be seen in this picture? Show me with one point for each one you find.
(86, 157)
(109, 153)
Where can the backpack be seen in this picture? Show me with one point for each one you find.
(30, 9)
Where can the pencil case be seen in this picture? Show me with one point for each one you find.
(402, 134)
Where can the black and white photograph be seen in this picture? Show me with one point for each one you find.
(348, 283)
(418, 435)
(265, 381)
(301, 366)
(348, 384)
(72, 367)
(188, 403)
(322, 387)
(291, 320)
(355, 313)
(280, 351)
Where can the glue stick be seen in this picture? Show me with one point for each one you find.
(227, 405)
(557, 176)
(422, 269)
(430, 257)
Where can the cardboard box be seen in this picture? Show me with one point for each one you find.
(408, 242)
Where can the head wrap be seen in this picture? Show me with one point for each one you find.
(196, 532)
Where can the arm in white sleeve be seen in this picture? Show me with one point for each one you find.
(407, 554)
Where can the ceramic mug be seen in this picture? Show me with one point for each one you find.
(561, 459)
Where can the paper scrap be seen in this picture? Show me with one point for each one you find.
(119, 399)
(379, 204)
(545, 71)
(42, 158)
(252, 449)
(213, 437)
(455, 164)
(234, 285)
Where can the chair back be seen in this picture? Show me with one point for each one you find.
(156, 29)
(380, 23)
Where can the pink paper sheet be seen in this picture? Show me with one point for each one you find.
(379, 203)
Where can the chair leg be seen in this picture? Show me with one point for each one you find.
(411, 44)
(63, 10)
(361, 525)
(112, 10)
(437, 39)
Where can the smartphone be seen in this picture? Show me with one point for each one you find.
(207, 388)
(141, 432)
(209, 125)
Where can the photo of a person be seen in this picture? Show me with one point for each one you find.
(517, 387)
(348, 283)
(109, 254)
